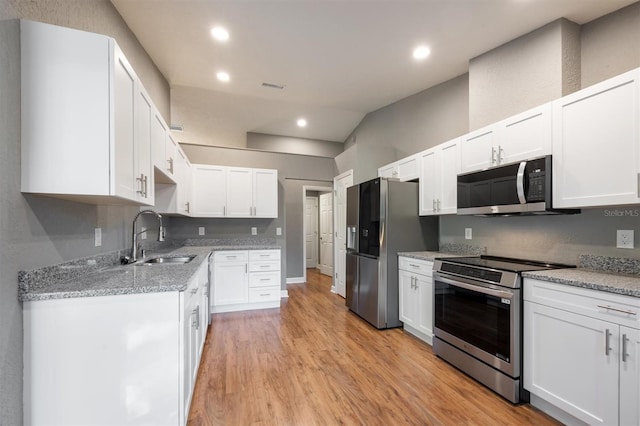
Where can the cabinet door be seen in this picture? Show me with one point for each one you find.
(478, 150)
(408, 300)
(429, 176)
(265, 193)
(239, 192)
(230, 283)
(449, 167)
(388, 171)
(144, 168)
(183, 174)
(525, 136)
(565, 362)
(209, 190)
(159, 135)
(596, 145)
(171, 151)
(124, 94)
(630, 376)
(424, 314)
(408, 168)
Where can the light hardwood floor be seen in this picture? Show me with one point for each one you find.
(312, 362)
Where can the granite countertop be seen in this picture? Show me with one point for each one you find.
(625, 284)
(102, 275)
(429, 256)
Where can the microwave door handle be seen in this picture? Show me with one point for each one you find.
(520, 182)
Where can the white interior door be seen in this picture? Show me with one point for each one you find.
(340, 184)
(311, 231)
(326, 234)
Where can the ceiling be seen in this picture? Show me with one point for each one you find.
(337, 59)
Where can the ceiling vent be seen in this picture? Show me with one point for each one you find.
(273, 86)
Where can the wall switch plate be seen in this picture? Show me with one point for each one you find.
(278, 231)
(624, 238)
(468, 233)
(254, 230)
(201, 230)
(143, 236)
(98, 237)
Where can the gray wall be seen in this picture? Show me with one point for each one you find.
(290, 145)
(37, 231)
(405, 127)
(524, 73)
(294, 171)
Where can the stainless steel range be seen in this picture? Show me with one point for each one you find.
(478, 318)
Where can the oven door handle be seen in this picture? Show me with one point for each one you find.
(472, 287)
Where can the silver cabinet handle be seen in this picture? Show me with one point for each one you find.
(264, 266)
(187, 206)
(434, 204)
(264, 294)
(607, 338)
(265, 279)
(194, 317)
(170, 161)
(624, 348)
(146, 191)
(224, 210)
(141, 180)
(500, 156)
(493, 156)
(611, 308)
(414, 265)
(438, 204)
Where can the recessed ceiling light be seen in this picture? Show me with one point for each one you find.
(302, 122)
(223, 76)
(220, 33)
(421, 52)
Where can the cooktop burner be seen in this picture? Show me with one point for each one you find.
(502, 271)
(504, 263)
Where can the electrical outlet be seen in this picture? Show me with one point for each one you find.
(143, 235)
(201, 230)
(254, 230)
(278, 231)
(624, 238)
(468, 233)
(98, 237)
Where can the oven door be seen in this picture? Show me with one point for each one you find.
(480, 319)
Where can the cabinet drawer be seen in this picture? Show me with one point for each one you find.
(264, 279)
(263, 266)
(231, 256)
(264, 294)
(255, 255)
(616, 308)
(416, 266)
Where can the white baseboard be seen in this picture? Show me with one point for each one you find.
(296, 280)
(284, 294)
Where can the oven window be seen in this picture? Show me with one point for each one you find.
(479, 319)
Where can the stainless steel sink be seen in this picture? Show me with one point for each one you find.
(163, 260)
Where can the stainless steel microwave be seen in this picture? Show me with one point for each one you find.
(518, 188)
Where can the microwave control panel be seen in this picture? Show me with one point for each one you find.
(537, 180)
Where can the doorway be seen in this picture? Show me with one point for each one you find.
(318, 229)
(340, 184)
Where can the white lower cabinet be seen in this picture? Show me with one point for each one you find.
(581, 350)
(126, 359)
(245, 279)
(416, 297)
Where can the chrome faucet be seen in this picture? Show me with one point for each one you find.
(134, 234)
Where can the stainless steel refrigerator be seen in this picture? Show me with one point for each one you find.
(382, 220)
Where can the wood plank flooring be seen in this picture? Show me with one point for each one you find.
(312, 362)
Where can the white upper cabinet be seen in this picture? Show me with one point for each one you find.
(596, 159)
(175, 198)
(524, 136)
(209, 190)
(265, 193)
(80, 133)
(439, 168)
(220, 191)
(406, 169)
(163, 149)
(144, 120)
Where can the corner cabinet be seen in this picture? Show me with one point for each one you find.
(245, 280)
(85, 118)
(439, 168)
(597, 159)
(122, 359)
(582, 352)
(407, 169)
(416, 297)
(220, 191)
